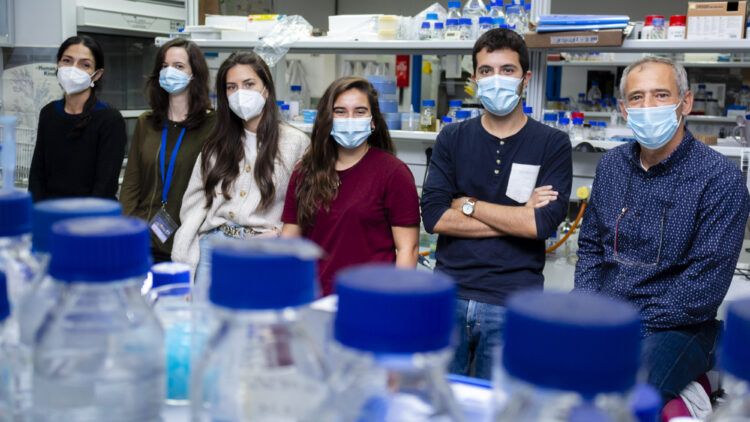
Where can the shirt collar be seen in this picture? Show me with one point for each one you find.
(669, 163)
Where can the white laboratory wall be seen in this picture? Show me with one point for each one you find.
(44, 23)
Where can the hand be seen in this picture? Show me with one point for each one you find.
(541, 197)
(269, 234)
(458, 203)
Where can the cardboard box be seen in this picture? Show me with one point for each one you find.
(716, 20)
(605, 38)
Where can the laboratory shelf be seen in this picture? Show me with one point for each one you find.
(626, 63)
(727, 151)
(322, 45)
(698, 119)
(664, 46)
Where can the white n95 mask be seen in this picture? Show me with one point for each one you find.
(247, 103)
(73, 79)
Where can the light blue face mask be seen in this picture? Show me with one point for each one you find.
(498, 94)
(653, 127)
(173, 80)
(351, 133)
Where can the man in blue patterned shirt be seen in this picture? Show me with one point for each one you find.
(664, 226)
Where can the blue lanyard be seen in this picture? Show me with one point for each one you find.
(166, 179)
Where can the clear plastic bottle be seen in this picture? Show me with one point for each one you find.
(546, 377)
(295, 102)
(454, 10)
(99, 355)
(497, 12)
(452, 29)
(169, 297)
(699, 105)
(14, 405)
(467, 32)
(474, 9)
(659, 31)
(744, 97)
(514, 18)
(260, 364)
(563, 124)
(462, 115)
(581, 103)
(438, 31)
(528, 111)
(736, 365)
(445, 120)
(594, 93)
(285, 113)
(44, 291)
(425, 33)
(485, 24)
(395, 374)
(453, 107)
(576, 131)
(550, 119)
(526, 17)
(428, 118)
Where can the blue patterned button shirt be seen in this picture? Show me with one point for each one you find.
(667, 240)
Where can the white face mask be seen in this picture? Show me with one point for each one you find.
(74, 80)
(247, 103)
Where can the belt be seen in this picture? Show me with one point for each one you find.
(238, 232)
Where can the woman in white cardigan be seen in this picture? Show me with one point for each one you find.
(239, 182)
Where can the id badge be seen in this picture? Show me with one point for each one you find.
(162, 225)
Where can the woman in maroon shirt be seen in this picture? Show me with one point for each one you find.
(350, 194)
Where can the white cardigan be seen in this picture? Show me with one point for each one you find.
(242, 208)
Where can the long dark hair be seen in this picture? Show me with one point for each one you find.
(223, 151)
(317, 180)
(198, 99)
(96, 50)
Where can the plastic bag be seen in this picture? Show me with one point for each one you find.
(286, 31)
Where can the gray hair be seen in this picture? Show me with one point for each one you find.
(680, 75)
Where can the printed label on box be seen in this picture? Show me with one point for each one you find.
(574, 39)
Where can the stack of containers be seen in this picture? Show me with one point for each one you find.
(386, 88)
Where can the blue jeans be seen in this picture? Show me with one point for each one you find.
(203, 270)
(674, 358)
(480, 326)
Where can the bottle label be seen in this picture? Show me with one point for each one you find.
(280, 394)
(425, 121)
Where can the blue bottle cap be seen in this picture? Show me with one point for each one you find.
(574, 342)
(428, 103)
(564, 121)
(279, 103)
(263, 273)
(500, 22)
(15, 213)
(452, 4)
(165, 273)
(465, 21)
(432, 16)
(594, 83)
(296, 88)
(285, 106)
(4, 303)
(528, 110)
(383, 309)
(550, 117)
(602, 124)
(578, 120)
(47, 213)
(527, 6)
(425, 25)
(497, 3)
(581, 95)
(513, 9)
(451, 22)
(701, 86)
(455, 103)
(446, 119)
(485, 19)
(560, 114)
(439, 25)
(463, 114)
(99, 249)
(645, 403)
(744, 87)
(736, 343)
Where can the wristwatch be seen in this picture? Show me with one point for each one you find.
(468, 207)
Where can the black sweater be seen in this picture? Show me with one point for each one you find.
(86, 165)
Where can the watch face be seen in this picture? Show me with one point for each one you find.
(467, 208)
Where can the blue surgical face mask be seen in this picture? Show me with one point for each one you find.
(498, 94)
(653, 127)
(351, 133)
(173, 80)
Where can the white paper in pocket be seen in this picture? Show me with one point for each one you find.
(521, 182)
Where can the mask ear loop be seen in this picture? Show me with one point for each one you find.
(92, 77)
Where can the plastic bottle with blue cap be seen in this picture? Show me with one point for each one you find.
(10, 356)
(734, 361)
(567, 357)
(259, 363)
(44, 291)
(453, 107)
(169, 296)
(99, 354)
(497, 13)
(16, 259)
(392, 344)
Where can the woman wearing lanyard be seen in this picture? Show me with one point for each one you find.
(350, 194)
(80, 140)
(238, 185)
(167, 141)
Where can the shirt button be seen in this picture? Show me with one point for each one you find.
(502, 142)
(243, 193)
(247, 169)
(231, 214)
(498, 151)
(497, 171)
(498, 161)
